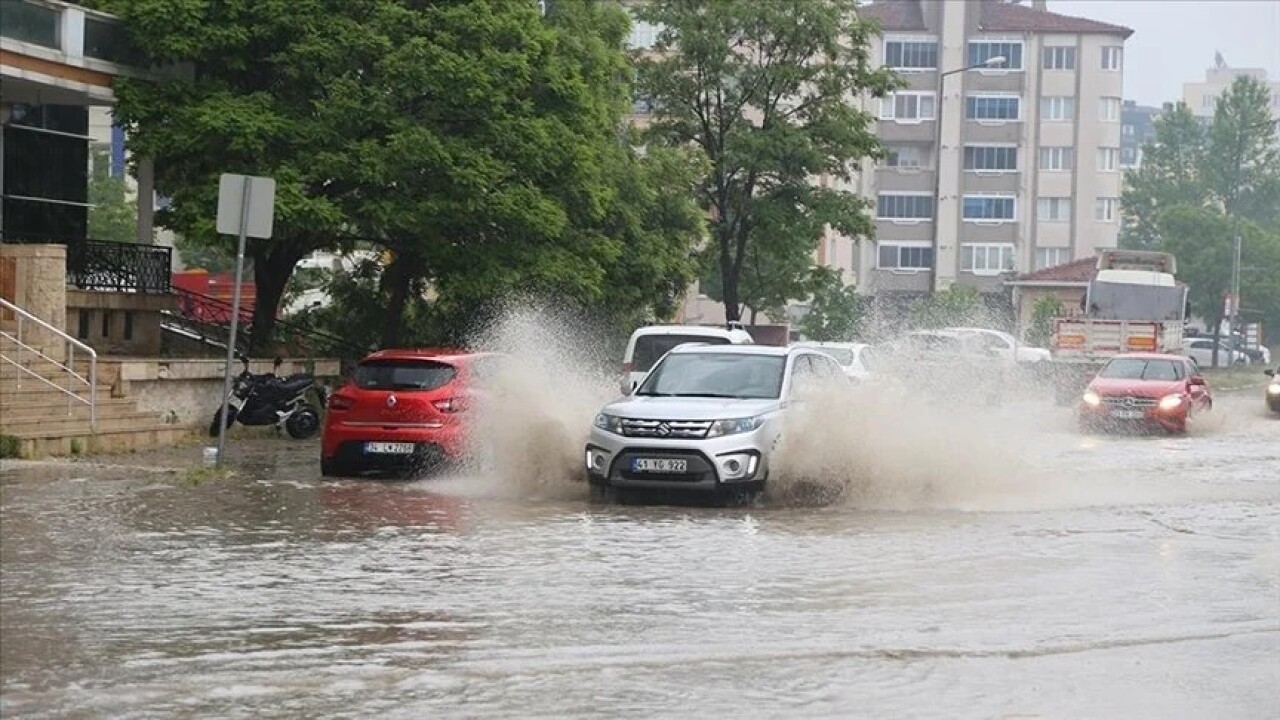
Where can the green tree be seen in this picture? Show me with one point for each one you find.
(836, 310)
(1171, 174)
(112, 216)
(1241, 167)
(762, 90)
(1045, 310)
(955, 306)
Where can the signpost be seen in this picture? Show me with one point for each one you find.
(246, 207)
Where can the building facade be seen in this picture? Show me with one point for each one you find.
(1202, 96)
(1137, 128)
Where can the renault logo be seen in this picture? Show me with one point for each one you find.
(391, 401)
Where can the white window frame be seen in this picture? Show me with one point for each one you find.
(933, 208)
(993, 96)
(1061, 256)
(1105, 209)
(996, 40)
(918, 39)
(1112, 58)
(964, 157)
(1114, 104)
(1053, 209)
(1013, 215)
(1061, 103)
(643, 35)
(1054, 58)
(1003, 252)
(901, 245)
(1108, 159)
(1064, 153)
(889, 107)
(911, 148)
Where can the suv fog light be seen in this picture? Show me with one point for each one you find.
(741, 466)
(596, 460)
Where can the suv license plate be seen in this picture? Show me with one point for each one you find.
(386, 448)
(1128, 414)
(660, 466)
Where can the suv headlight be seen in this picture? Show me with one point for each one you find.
(1169, 402)
(1273, 388)
(736, 426)
(609, 423)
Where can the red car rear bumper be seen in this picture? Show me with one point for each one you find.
(345, 439)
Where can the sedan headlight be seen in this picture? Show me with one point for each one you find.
(609, 423)
(1170, 402)
(1273, 388)
(1091, 398)
(736, 426)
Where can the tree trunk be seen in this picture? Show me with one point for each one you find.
(729, 284)
(273, 264)
(1216, 321)
(400, 277)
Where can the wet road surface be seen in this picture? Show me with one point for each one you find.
(1130, 577)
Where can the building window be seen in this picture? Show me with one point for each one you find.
(911, 54)
(1208, 102)
(1057, 158)
(1104, 210)
(1109, 109)
(1053, 209)
(999, 108)
(904, 156)
(82, 327)
(1058, 109)
(992, 158)
(908, 107)
(904, 256)
(128, 325)
(1001, 208)
(1112, 57)
(1128, 130)
(897, 206)
(644, 35)
(1059, 58)
(1128, 157)
(983, 50)
(1108, 159)
(987, 258)
(1052, 257)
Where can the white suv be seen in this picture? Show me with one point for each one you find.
(706, 418)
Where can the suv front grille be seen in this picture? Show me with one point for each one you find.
(1129, 401)
(666, 429)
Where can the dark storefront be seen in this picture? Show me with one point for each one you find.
(45, 165)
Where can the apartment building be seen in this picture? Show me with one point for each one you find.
(1137, 128)
(1003, 149)
(1201, 97)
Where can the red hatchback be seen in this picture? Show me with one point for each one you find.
(403, 410)
(1145, 390)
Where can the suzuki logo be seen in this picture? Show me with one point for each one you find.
(391, 401)
(664, 429)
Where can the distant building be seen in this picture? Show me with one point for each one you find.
(1201, 97)
(1137, 128)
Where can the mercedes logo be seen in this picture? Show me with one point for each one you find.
(664, 429)
(391, 401)
(1130, 402)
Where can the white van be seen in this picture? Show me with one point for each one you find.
(648, 344)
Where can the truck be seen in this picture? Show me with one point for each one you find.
(1133, 304)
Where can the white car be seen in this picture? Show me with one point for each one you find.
(856, 359)
(648, 344)
(1201, 350)
(1004, 345)
(706, 419)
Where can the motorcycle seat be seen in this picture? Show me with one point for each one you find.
(295, 383)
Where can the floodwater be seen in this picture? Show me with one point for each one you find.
(1125, 577)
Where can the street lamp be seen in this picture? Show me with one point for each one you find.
(992, 62)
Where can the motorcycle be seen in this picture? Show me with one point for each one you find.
(262, 400)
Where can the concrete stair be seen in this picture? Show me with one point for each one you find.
(45, 421)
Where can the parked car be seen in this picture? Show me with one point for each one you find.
(1273, 390)
(947, 365)
(857, 360)
(706, 419)
(1003, 345)
(1152, 390)
(1201, 350)
(1260, 355)
(403, 410)
(648, 344)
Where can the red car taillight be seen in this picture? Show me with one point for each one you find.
(450, 405)
(341, 402)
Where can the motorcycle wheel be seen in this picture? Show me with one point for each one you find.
(217, 415)
(304, 423)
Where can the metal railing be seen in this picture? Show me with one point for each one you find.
(206, 318)
(74, 379)
(119, 267)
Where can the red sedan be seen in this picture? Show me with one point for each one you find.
(1145, 390)
(403, 410)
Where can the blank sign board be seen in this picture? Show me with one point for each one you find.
(257, 215)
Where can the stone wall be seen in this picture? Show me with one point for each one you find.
(117, 323)
(37, 275)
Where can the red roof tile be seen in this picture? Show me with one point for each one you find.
(997, 15)
(1080, 271)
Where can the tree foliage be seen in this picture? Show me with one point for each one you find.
(762, 90)
(1046, 309)
(112, 215)
(954, 307)
(836, 311)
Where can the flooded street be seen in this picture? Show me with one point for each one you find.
(1107, 577)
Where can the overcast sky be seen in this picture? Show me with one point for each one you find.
(1174, 40)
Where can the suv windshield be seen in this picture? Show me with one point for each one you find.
(403, 375)
(1139, 369)
(651, 348)
(728, 375)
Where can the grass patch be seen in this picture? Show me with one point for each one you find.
(198, 475)
(10, 447)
